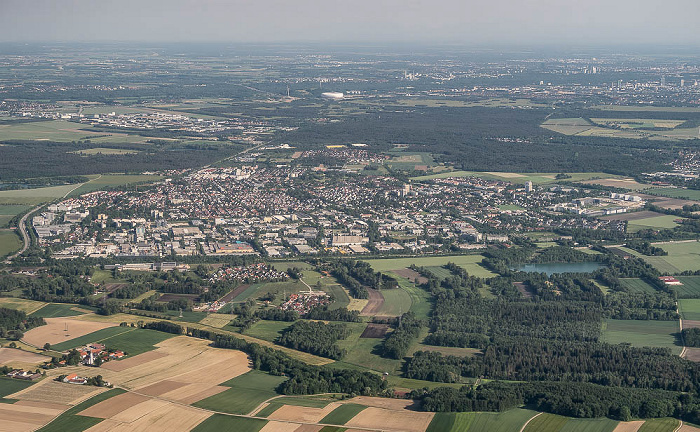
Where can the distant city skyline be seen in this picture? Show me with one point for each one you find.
(475, 23)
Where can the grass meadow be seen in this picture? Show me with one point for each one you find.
(641, 333)
(508, 421)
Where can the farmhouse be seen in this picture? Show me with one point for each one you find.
(670, 280)
(23, 375)
(75, 379)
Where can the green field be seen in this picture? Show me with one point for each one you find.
(689, 309)
(97, 336)
(690, 194)
(507, 421)
(47, 193)
(9, 386)
(9, 211)
(554, 423)
(657, 222)
(364, 352)
(636, 285)
(246, 393)
(55, 310)
(681, 256)
(53, 130)
(267, 330)
(113, 180)
(659, 425)
(9, 243)
(136, 341)
(439, 272)
(343, 414)
(71, 421)
(690, 287)
(221, 422)
(396, 302)
(467, 262)
(640, 333)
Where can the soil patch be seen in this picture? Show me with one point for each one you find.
(411, 275)
(520, 286)
(692, 354)
(644, 214)
(168, 297)
(375, 331)
(303, 414)
(234, 293)
(375, 303)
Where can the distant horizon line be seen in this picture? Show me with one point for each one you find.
(369, 44)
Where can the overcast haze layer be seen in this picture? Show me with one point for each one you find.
(556, 22)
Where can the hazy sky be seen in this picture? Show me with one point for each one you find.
(471, 22)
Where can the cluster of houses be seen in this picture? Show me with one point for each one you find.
(304, 302)
(23, 375)
(91, 352)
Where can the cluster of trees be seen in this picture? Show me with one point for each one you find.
(324, 313)
(397, 343)
(13, 323)
(356, 276)
(644, 247)
(691, 337)
(540, 360)
(315, 337)
(568, 399)
(660, 306)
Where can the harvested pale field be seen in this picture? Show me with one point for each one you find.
(138, 360)
(139, 410)
(19, 418)
(160, 388)
(56, 392)
(183, 360)
(216, 320)
(114, 405)
(403, 420)
(153, 417)
(377, 402)
(274, 426)
(691, 324)
(55, 330)
(302, 414)
(12, 355)
(27, 416)
(687, 428)
(632, 426)
(195, 392)
(309, 428)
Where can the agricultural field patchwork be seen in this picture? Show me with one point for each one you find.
(658, 222)
(682, 256)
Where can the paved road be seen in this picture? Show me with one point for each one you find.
(22, 226)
